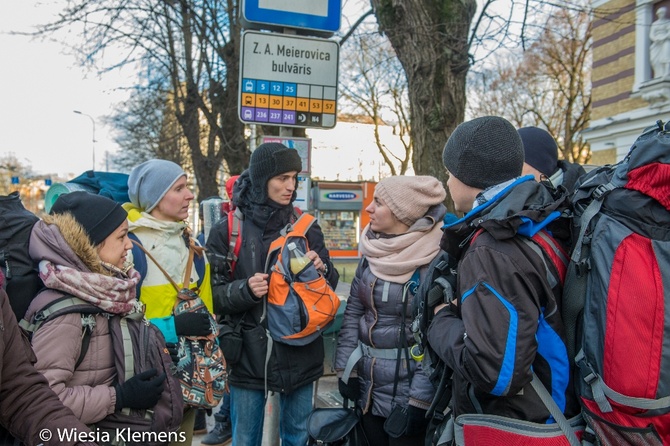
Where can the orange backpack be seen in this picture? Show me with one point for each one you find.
(299, 306)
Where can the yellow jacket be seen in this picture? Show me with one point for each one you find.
(164, 241)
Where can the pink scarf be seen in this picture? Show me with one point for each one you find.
(112, 294)
(396, 258)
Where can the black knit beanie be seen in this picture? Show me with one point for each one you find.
(484, 152)
(540, 149)
(98, 215)
(269, 160)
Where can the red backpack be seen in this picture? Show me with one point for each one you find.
(617, 294)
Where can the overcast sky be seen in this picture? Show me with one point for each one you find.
(39, 89)
(40, 86)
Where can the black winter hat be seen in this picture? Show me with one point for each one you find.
(269, 160)
(98, 215)
(540, 149)
(484, 152)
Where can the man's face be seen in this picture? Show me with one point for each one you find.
(281, 187)
(530, 170)
(462, 194)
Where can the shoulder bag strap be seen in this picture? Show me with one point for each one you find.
(153, 259)
(555, 411)
(189, 265)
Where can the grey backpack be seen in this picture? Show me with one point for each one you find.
(138, 346)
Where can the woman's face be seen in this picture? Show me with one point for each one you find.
(382, 219)
(281, 187)
(175, 204)
(114, 248)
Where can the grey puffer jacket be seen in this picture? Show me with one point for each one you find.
(373, 317)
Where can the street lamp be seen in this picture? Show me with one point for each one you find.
(92, 122)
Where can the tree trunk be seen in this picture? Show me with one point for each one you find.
(234, 147)
(430, 38)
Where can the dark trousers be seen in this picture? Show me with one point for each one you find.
(374, 429)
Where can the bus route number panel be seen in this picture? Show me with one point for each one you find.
(287, 103)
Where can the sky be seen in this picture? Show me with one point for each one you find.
(40, 86)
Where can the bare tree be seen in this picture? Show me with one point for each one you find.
(547, 86)
(373, 82)
(195, 44)
(146, 128)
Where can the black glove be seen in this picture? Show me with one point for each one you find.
(192, 324)
(173, 349)
(350, 390)
(142, 391)
(416, 421)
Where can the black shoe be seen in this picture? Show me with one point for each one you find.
(200, 426)
(219, 435)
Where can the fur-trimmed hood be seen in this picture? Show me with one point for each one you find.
(61, 240)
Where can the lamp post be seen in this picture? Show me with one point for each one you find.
(92, 122)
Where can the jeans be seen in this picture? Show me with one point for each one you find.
(224, 408)
(247, 413)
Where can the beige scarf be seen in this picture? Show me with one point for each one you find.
(395, 259)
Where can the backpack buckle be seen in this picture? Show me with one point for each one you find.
(599, 192)
(590, 378)
(583, 267)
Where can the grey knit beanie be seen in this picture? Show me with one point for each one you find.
(409, 198)
(269, 160)
(484, 152)
(150, 181)
(98, 215)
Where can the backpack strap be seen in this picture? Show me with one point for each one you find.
(555, 411)
(234, 238)
(158, 265)
(128, 355)
(575, 285)
(301, 225)
(598, 197)
(62, 306)
(140, 254)
(541, 242)
(139, 260)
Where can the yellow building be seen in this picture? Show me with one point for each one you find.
(627, 95)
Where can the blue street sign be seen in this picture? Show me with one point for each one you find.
(316, 15)
(15, 180)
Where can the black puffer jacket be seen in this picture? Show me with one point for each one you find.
(509, 323)
(289, 367)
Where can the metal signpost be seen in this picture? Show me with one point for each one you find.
(288, 80)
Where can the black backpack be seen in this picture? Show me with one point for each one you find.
(22, 281)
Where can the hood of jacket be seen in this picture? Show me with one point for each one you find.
(61, 240)
(523, 206)
(267, 214)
